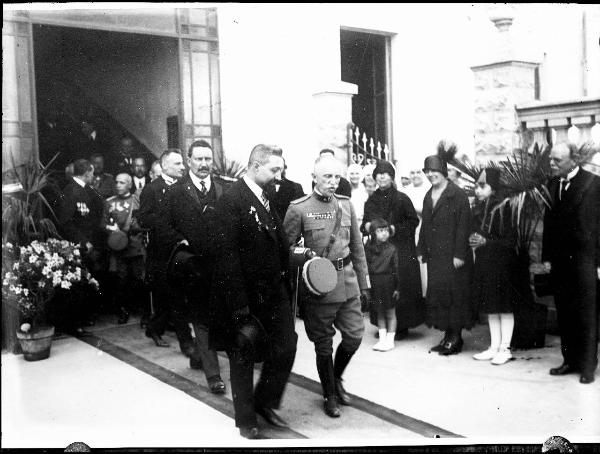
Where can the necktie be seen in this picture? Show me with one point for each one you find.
(140, 185)
(265, 201)
(203, 190)
(564, 184)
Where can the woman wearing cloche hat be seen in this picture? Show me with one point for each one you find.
(444, 247)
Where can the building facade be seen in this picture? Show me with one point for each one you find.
(298, 75)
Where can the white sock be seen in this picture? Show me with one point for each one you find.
(507, 325)
(495, 333)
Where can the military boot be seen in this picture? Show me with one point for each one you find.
(325, 369)
(342, 358)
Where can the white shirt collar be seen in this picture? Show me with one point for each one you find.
(197, 181)
(256, 189)
(572, 174)
(79, 181)
(168, 179)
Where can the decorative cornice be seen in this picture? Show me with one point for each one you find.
(536, 112)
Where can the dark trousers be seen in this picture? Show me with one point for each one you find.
(169, 305)
(208, 357)
(279, 359)
(577, 313)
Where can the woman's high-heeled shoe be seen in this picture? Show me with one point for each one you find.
(452, 347)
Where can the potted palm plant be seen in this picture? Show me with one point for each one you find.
(27, 215)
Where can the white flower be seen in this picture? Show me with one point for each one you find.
(65, 284)
(18, 290)
(41, 284)
(15, 266)
(33, 258)
(94, 282)
(25, 291)
(9, 245)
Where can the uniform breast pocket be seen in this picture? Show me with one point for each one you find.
(315, 233)
(345, 227)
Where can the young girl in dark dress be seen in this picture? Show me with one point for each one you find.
(382, 258)
(493, 241)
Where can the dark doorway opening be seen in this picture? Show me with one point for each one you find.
(127, 83)
(364, 58)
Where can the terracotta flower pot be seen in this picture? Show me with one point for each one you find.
(36, 344)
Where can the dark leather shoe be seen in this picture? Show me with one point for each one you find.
(252, 433)
(563, 370)
(195, 363)
(331, 408)
(342, 395)
(451, 348)
(586, 378)
(157, 339)
(216, 385)
(439, 347)
(271, 417)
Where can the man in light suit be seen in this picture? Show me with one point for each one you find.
(187, 216)
(571, 251)
(251, 281)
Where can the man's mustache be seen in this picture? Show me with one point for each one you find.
(204, 168)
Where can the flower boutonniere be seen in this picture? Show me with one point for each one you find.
(255, 213)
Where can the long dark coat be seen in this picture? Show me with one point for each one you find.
(494, 289)
(80, 214)
(250, 268)
(571, 243)
(445, 235)
(396, 208)
(186, 215)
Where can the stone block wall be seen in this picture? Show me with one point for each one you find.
(499, 87)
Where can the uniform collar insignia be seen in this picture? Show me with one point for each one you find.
(321, 197)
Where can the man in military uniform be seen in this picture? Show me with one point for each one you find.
(126, 265)
(315, 217)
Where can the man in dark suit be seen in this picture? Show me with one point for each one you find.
(344, 188)
(571, 251)
(251, 281)
(187, 216)
(283, 192)
(151, 200)
(140, 175)
(79, 215)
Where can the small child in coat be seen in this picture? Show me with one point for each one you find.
(382, 259)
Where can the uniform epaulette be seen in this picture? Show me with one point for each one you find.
(301, 199)
(342, 196)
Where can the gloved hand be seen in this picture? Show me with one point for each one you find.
(366, 293)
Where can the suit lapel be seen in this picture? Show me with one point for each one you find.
(190, 190)
(263, 215)
(446, 194)
(577, 188)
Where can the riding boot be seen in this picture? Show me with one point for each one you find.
(342, 358)
(325, 369)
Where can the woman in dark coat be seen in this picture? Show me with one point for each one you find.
(395, 207)
(493, 240)
(444, 247)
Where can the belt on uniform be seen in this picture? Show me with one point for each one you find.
(341, 263)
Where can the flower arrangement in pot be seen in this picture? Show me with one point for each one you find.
(42, 272)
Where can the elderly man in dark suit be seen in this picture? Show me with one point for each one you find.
(251, 281)
(283, 192)
(187, 216)
(571, 251)
(151, 200)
